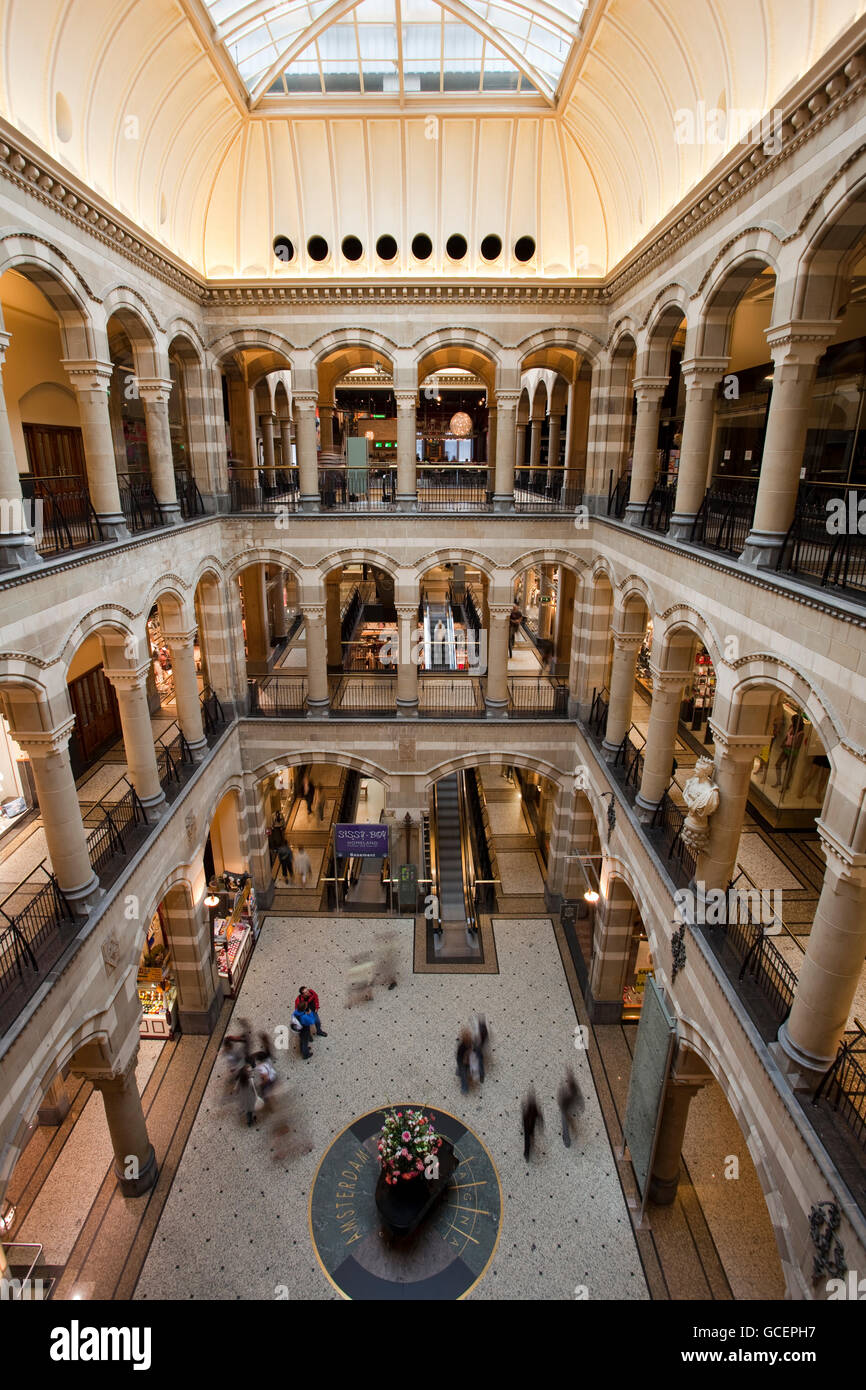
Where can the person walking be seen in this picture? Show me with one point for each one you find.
(247, 1093)
(308, 791)
(307, 1003)
(302, 865)
(515, 618)
(301, 1025)
(285, 862)
(532, 1116)
(464, 1052)
(277, 832)
(480, 1034)
(570, 1101)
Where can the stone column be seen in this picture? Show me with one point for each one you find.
(665, 1175)
(520, 447)
(286, 442)
(17, 519)
(155, 393)
(131, 689)
(648, 391)
(658, 754)
(625, 649)
(317, 666)
(833, 964)
(545, 616)
(701, 376)
(326, 428)
(406, 434)
(612, 929)
(266, 422)
(334, 621)
(795, 349)
(55, 1103)
(735, 754)
(496, 693)
(554, 431)
(186, 692)
(304, 406)
(407, 665)
(199, 988)
(277, 607)
(135, 1164)
(91, 382)
(565, 616)
(535, 445)
(65, 836)
(506, 431)
(253, 586)
(491, 435)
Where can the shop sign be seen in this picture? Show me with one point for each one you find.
(363, 841)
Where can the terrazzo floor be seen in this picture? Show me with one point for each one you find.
(235, 1223)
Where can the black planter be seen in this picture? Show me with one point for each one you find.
(404, 1205)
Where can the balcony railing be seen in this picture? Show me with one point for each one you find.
(372, 489)
(659, 505)
(447, 487)
(824, 544)
(278, 696)
(628, 763)
(545, 490)
(35, 928)
(257, 490)
(617, 494)
(597, 720)
(63, 516)
(112, 820)
(725, 516)
(374, 695)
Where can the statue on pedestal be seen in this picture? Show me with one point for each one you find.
(702, 798)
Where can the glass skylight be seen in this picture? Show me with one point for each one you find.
(396, 46)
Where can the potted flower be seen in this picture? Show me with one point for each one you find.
(407, 1145)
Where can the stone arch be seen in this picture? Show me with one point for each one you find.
(665, 319)
(265, 556)
(632, 587)
(253, 339)
(453, 554)
(296, 757)
(57, 279)
(555, 555)
(209, 565)
(474, 339)
(733, 270)
(570, 339)
(622, 344)
(120, 297)
(494, 759)
(837, 232)
(681, 615)
(359, 555)
(108, 619)
(349, 339)
(763, 669)
(130, 314)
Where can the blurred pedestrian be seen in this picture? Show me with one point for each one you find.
(301, 1026)
(361, 974)
(302, 865)
(571, 1103)
(464, 1052)
(247, 1093)
(308, 791)
(480, 1034)
(285, 862)
(386, 960)
(532, 1116)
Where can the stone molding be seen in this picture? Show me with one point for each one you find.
(42, 743)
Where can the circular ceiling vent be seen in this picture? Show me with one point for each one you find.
(386, 247)
(317, 248)
(351, 248)
(456, 246)
(491, 247)
(524, 248)
(422, 247)
(283, 249)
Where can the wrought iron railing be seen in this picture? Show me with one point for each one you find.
(597, 720)
(62, 514)
(538, 696)
(188, 495)
(546, 490)
(138, 502)
(617, 494)
(629, 760)
(843, 1085)
(659, 506)
(277, 696)
(724, 518)
(448, 697)
(372, 489)
(824, 544)
(250, 489)
(665, 830)
(453, 487)
(213, 716)
(374, 694)
(111, 819)
(32, 921)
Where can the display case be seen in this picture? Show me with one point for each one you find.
(234, 938)
(158, 997)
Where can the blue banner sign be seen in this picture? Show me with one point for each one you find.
(366, 841)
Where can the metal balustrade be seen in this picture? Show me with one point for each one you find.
(35, 923)
(371, 489)
(259, 490)
(816, 551)
(546, 490)
(453, 487)
(724, 518)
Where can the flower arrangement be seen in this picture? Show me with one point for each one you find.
(407, 1144)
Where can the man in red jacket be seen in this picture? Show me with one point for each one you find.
(307, 1002)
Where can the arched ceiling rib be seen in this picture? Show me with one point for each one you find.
(136, 98)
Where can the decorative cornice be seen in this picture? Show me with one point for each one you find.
(435, 292)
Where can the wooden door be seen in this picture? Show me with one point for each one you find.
(97, 721)
(56, 453)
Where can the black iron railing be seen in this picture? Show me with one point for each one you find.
(843, 1085)
(138, 502)
(373, 489)
(538, 696)
(659, 506)
(824, 543)
(188, 495)
(597, 720)
(545, 490)
(374, 695)
(60, 511)
(447, 697)
(724, 518)
(32, 921)
(617, 494)
(453, 487)
(111, 820)
(629, 760)
(172, 756)
(666, 830)
(251, 490)
(213, 715)
(277, 696)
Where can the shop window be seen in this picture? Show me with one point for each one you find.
(156, 987)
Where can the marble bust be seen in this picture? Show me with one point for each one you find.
(702, 798)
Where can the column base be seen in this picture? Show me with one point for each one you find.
(113, 526)
(170, 513)
(198, 750)
(803, 1069)
(645, 809)
(17, 552)
(681, 525)
(147, 1176)
(634, 513)
(82, 900)
(310, 503)
(316, 709)
(154, 805)
(203, 1021)
(407, 709)
(609, 750)
(663, 1191)
(407, 501)
(495, 709)
(602, 1010)
(761, 550)
(53, 1115)
(503, 501)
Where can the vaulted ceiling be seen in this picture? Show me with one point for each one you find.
(217, 127)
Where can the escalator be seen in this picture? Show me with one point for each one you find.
(440, 649)
(454, 870)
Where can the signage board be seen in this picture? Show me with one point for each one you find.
(363, 840)
(654, 1045)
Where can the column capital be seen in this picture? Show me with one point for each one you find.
(627, 641)
(5, 340)
(406, 400)
(507, 400)
(305, 400)
(500, 613)
(114, 1080)
(668, 680)
(267, 417)
(845, 862)
(154, 390)
(314, 613)
(407, 611)
(739, 748)
(704, 372)
(128, 678)
(88, 374)
(650, 388)
(799, 343)
(42, 743)
(180, 639)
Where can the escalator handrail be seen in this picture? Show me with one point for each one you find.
(467, 859)
(433, 844)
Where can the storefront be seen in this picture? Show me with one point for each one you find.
(235, 931)
(156, 987)
(638, 970)
(791, 772)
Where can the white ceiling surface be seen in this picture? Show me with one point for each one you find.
(129, 97)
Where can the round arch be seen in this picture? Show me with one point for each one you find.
(266, 556)
(349, 340)
(838, 221)
(109, 619)
(453, 555)
(559, 340)
(357, 556)
(736, 266)
(494, 759)
(60, 284)
(683, 616)
(763, 670)
(297, 757)
(555, 556)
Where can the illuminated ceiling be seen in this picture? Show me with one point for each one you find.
(165, 109)
(406, 47)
